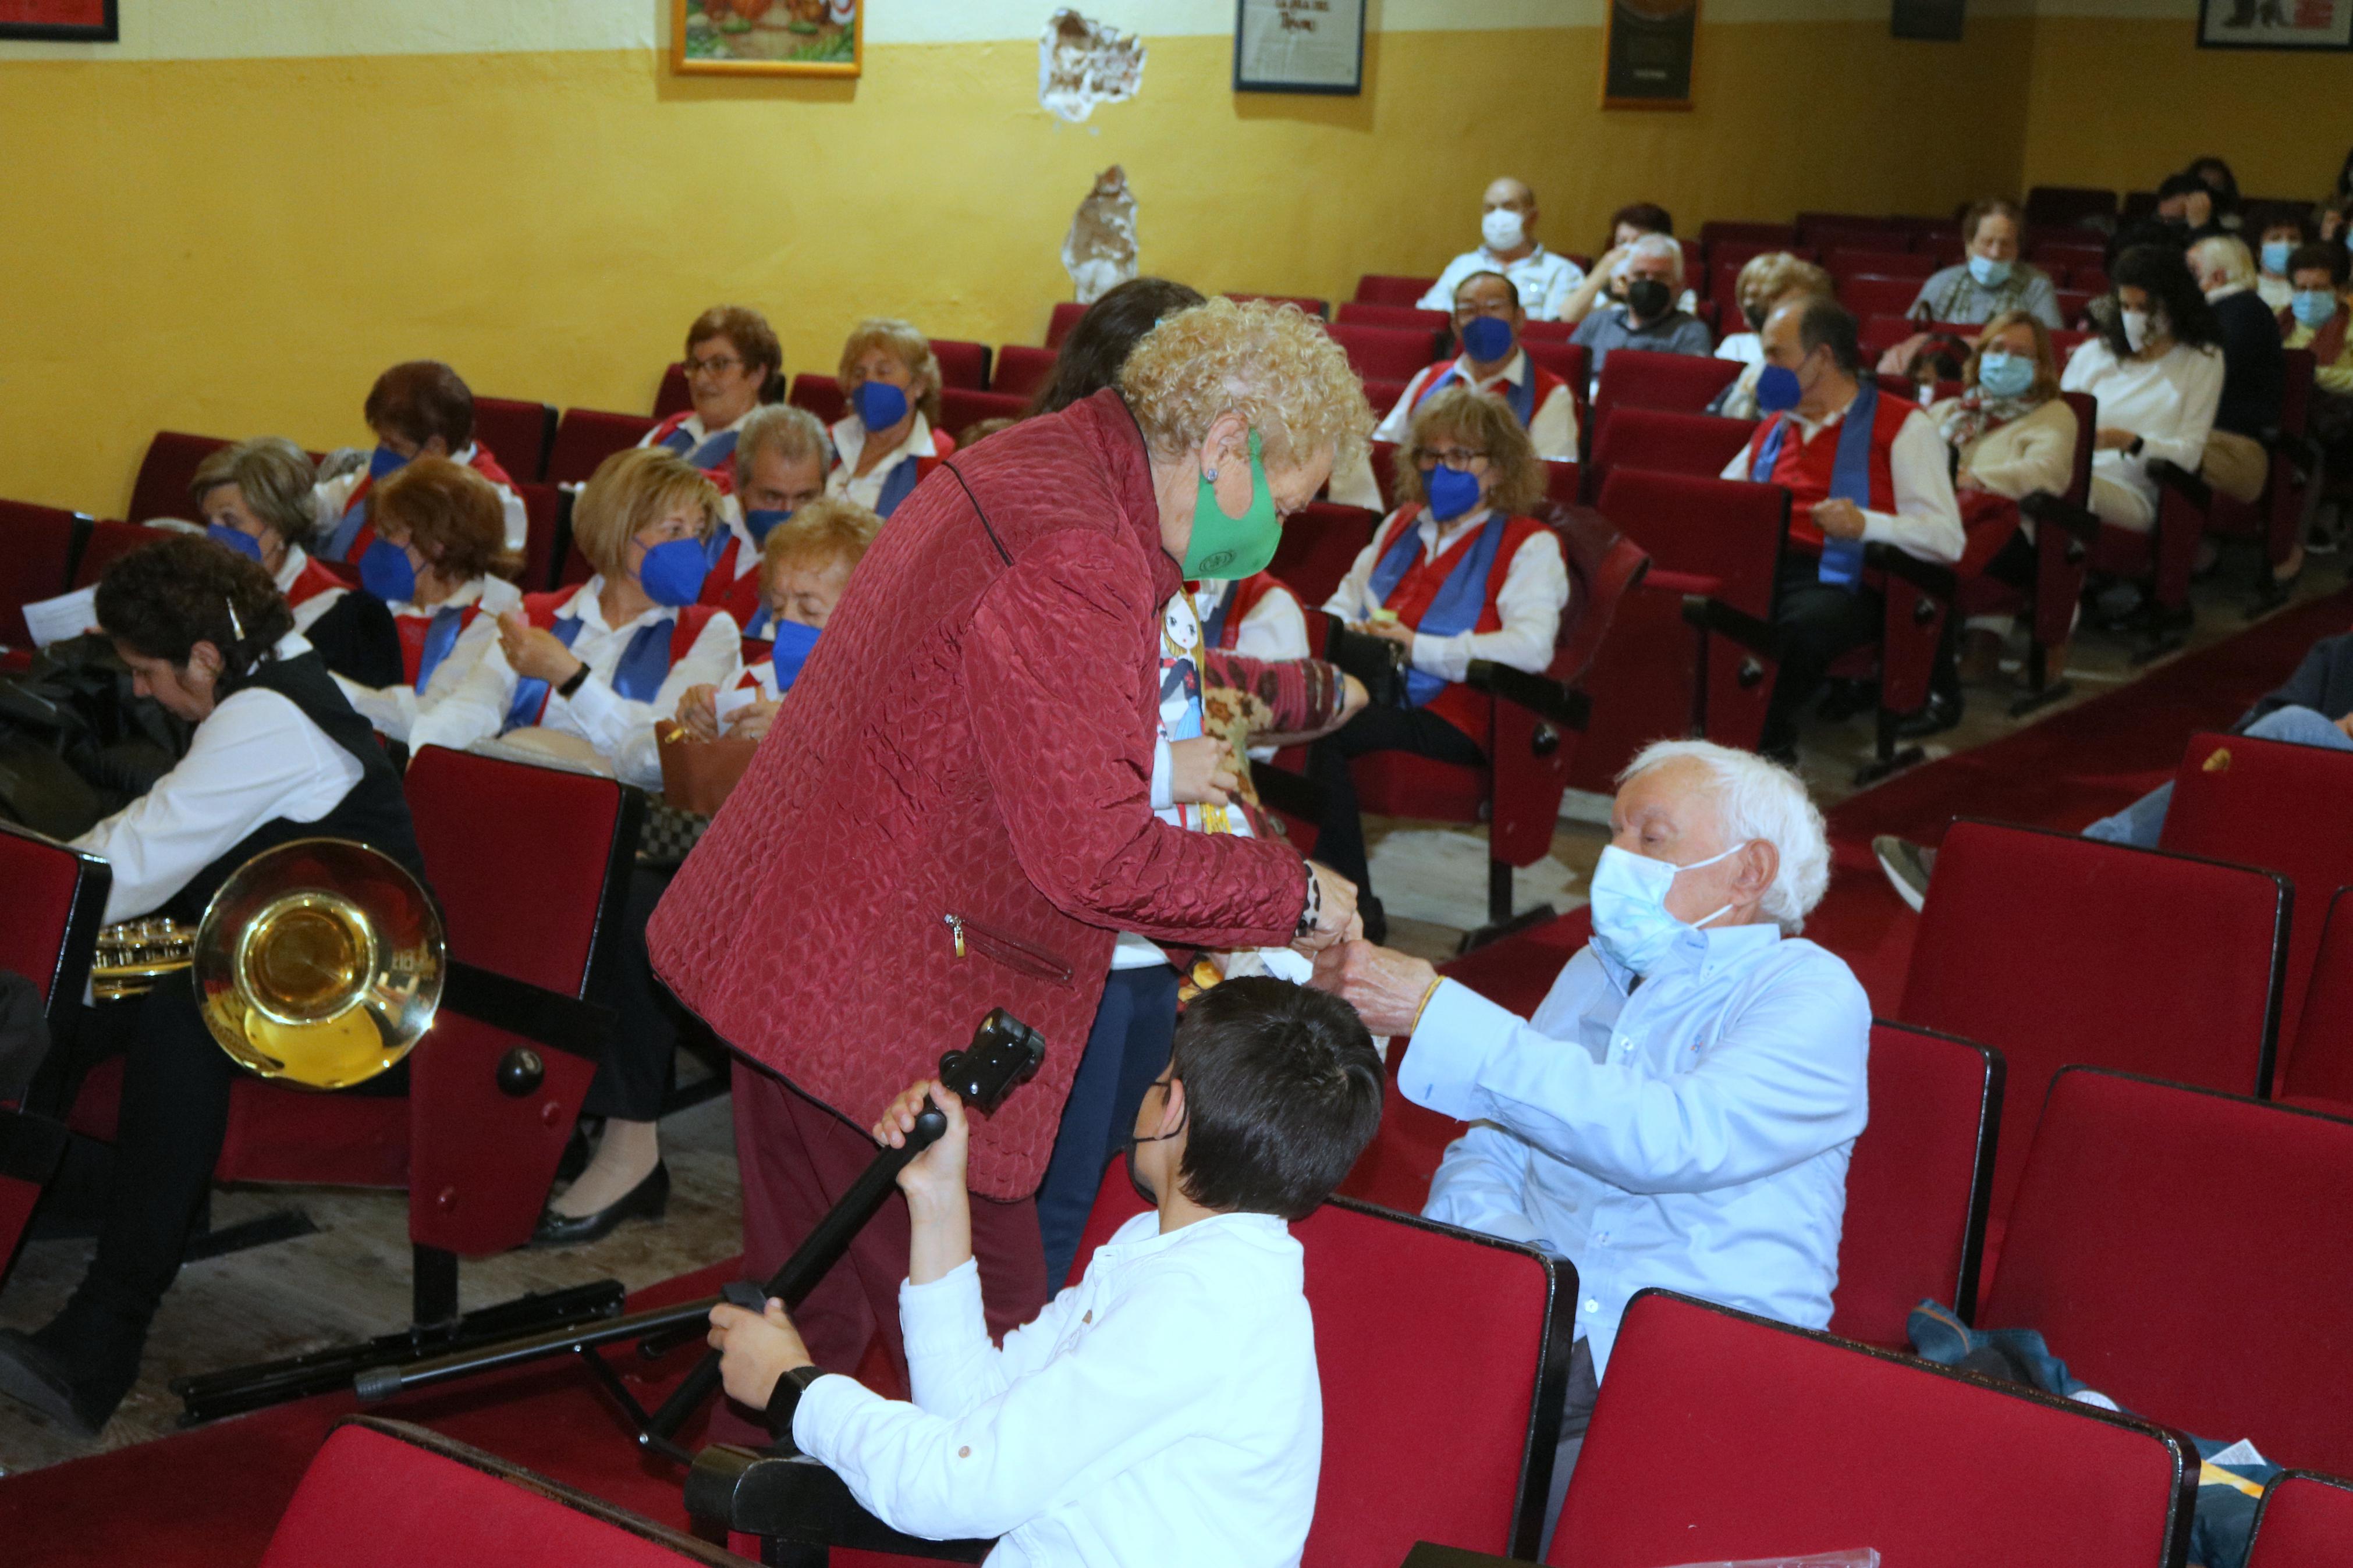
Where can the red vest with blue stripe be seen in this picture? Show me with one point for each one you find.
(1523, 400)
(426, 638)
(723, 590)
(1223, 629)
(1807, 468)
(636, 678)
(713, 455)
(1417, 589)
(350, 540)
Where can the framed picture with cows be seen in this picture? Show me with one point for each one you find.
(767, 37)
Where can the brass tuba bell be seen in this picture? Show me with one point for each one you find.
(319, 962)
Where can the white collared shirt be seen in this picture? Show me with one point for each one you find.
(1693, 1135)
(1926, 521)
(1552, 429)
(1533, 594)
(1542, 278)
(330, 498)
(849, 444)
(1163, 1412)
(254, 759)
(620, 728)
(394, 710)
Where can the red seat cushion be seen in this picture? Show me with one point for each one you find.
(1388, 288)
(1385, 354)
(1021, 369)
(172, 460)
(820, 394)
(1639, 378)
(516, 434)
(2306, 1523)
(964, 364)
(2320, 1062)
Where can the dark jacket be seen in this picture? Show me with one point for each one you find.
(2323, 682)
(2255, 366)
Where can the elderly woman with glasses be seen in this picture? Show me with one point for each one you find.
(734, 365)
(1458, 571)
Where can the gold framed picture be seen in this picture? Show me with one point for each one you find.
(767, 37)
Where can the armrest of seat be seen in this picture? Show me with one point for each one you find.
(2180, 482)
(1563, 704)
(793, 1498)
(1717, 618)
(2057, 512)
(1932, 578)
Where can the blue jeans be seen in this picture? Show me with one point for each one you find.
(2140, 823)
(1125, 1050)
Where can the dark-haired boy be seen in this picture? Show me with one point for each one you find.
(1163, 1410)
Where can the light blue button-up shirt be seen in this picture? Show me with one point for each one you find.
(1693, 1134)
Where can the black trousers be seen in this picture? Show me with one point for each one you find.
(1576, 1415)
(1340, 833)
(1818, 621)
(634, 1078)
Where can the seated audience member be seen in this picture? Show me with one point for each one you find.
(885, 445)
(1990, 280)
(603, 662)
(1508, 245)
(1089, 358)
(1859, 468)
(2222, 187)
(734, 365)
(779, 466)
(2012, 434)
(1258, 616)
(2313, 708)
(980, 430)
(441, 565)
(2255, 372)
(1458, 571)
(277, 754)
(1764, 282)
(418, 408)
(1487, 322)
(255, 499)
(2185, 207)
(2279, 243)
(1679, 1111)
(1650, 318)
(1164, 1409)
(2316, 319)
(1606, 284)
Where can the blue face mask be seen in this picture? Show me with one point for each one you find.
(1629, 899)
(1778, 388)
(880, 405)
(1989, 273)
(2002, 374)
(759, 524)
(794, 643)
(384, 461)
(2313, 306)
(2276, 255)
(244, 544)
(1453, 491)
(386, 571)
(672, 574)
(1487, 338)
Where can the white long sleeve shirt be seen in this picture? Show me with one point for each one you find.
(620, 728)
(254, 759)
(1693, 1134)
(1163, 1412)
(1926, 521)
(394, 710)
(848, 438)
(2168, 402)
(1544, 279)
(1533, 594)
(331, 497)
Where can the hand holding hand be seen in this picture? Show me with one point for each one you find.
(1335, 919)
(534, 653)
(1201, 771)
(1384, 987)
(755, 1349)
(698, 712)
(938, 1173)
(1839, 518)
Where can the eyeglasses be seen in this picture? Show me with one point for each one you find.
(1452, 456)
(718, 364)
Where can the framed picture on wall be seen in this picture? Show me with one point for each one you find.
(2275, 24)
(1647, 54)
(60, 21)
(765, 37)
(1299, 46)
(1933, 21)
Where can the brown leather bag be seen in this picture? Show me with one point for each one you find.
(697, 774)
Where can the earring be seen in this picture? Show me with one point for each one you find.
(1210, 475)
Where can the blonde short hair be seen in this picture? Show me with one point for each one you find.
(1478, 420)
(274, 477)
(1273, 364)
(827, 530)
(2046, 354)
(1765, 279)
(905, 342)
(792, 433)
(630, 493)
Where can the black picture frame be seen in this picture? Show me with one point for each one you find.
(2273, 25)
(109, 31)
(1649, 52)
(1926, 21)
(1248, 80)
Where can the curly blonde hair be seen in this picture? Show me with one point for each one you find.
(630, 493)
(1273, 364)
(905, 341)
(1484, 423)
(830, 529)
(1765, 279)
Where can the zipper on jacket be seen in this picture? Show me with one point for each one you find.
(1022, 957)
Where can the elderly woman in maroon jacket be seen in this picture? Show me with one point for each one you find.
(955, 813)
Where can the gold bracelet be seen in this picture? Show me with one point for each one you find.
(1424, 1006)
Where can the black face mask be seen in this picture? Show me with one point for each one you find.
(1137, 1182)
(1647, 297)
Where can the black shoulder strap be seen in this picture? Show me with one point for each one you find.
(978, 511)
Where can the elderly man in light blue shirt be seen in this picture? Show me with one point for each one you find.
(1679, 1111)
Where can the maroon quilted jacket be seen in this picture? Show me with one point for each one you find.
(969, 746)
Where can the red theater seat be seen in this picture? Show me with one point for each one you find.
(1059, 324)
(2319, 1071)
(1388, 288)
(2185, 1252)
(1356, 313)
(516, 434)
(1842, 262)
(1873, 294)
(2066, 529)
(2305, 1521)
(585, 437)
(2276, 516)
(544, 509)
(161, 487)
(1638, 378)
(1319, 542)
(37, 552)
(820, 394)
(673, 397)
(2067, 206)
(1385, 354)
(962, 407)
(1664, 441)
(2056, 950)
(1770, 236)
(962, 363)
(108, 542)
(386, 1494)
(48, 922)
(1317, 308)
(1720, 1435)
(1021, 370)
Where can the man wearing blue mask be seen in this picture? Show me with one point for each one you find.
(1508, 245)
(1990, 279)
(2280, 238)
(779, 463)
(1488, 319)
(1679, 1111)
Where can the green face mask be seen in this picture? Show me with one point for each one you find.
(1231, 547)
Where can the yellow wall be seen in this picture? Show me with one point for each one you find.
(237, 246)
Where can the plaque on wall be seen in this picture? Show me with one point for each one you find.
(1647, 55)
(1299, 46)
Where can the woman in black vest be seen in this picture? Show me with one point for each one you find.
(278, 754)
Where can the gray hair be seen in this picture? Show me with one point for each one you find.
(780, 427)
(1757, 799)
(2228, 253)
(1649, 245)
(274, 475)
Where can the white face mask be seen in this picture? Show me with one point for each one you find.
(2137, 330)
(1502, 229)
(1628, 899)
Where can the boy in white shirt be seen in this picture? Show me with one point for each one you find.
(1165, 1410)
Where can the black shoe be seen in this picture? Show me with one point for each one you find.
(647, 1200)
(1845, 699)
(1942, 714)
(32, 1375)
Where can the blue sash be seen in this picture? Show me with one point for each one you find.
(645, 664)
(898, 485)
(1841, 564)
(1215, 627)
(1520, 396)
(756, 628)
(337, 546)
(440, 638)
(1458, 601)
(713, 450)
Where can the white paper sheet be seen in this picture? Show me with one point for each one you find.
(67, 615)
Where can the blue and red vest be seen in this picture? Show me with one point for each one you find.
(723, 590)
(645, 664)
(1523, 399)
(353, 533)
(714, 455)
(426, 638)
(1853, 463)
(1223, 627)
(1458, 591)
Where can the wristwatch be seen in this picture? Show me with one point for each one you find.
(2133, 450)
(573, 682)
(1312, 911)
(785, 1398)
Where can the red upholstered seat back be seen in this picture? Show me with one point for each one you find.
(962, 363)
(384, 1494)
(516, 433)
(1319, 308)
(1719, 1436)
(1916, 1189)
(37, 547)
(2305, 1521)
(1767, 235)
(1666, 441)
(820, 394)
(1874, 296)
(55, 898)
(1444, 1357)
(2320, 1061)
(585, 437)
(543, 507)
(1726, 532)
(672, 395)
(2279, 806)
(2055, 950)
(1359, 313)
(1388, 288)
(962, 407)
(1021, 369)
(1319, 542)
(1059, 324)
(172, 460)
(1639, 378)
(108, 544)
(1385, 354)
(2186, 1254)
